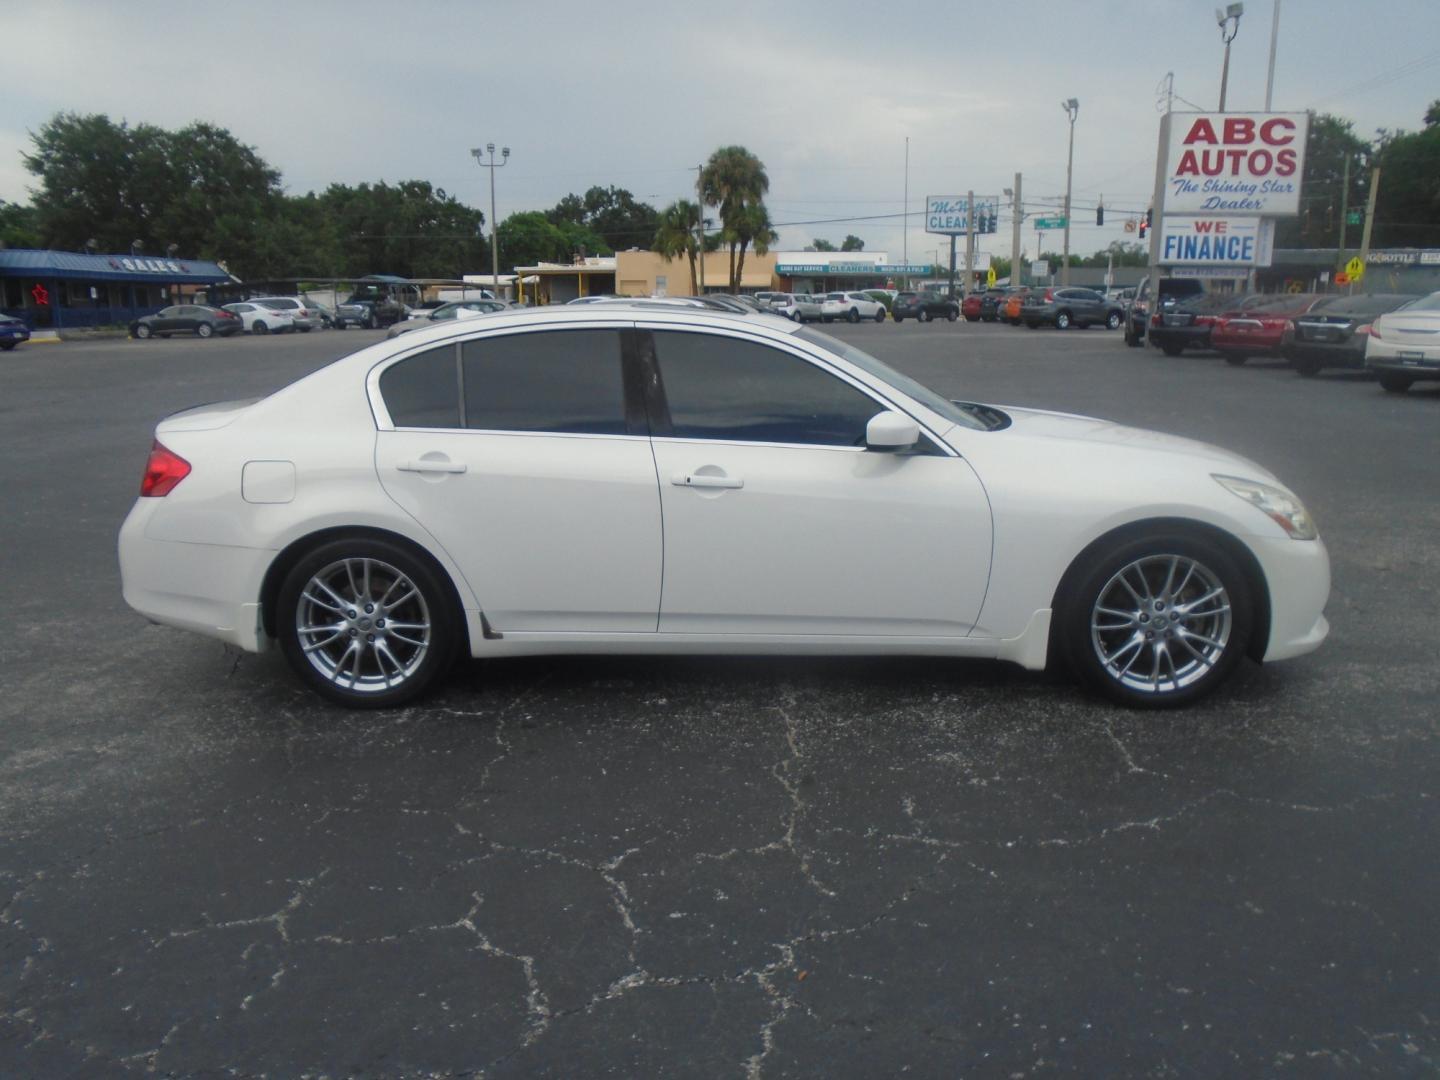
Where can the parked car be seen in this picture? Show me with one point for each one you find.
(327, 315)
(1167, 291)
(387, 518)
(455, 309)
(808, 308)
(1186, 323)
(1404, 345)
(923, 306)
(769, 300)
(1259, 330)
(991, 301)
(1334, 332)
(852, 307)
(796, 307)
(306, 316)
(424, 307)
(970, 306)
(1011, 306)
(260, 319)
(13, 331)
(1066, 307)
(194, 319)
(377, 301)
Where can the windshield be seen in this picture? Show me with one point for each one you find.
(885, 373)
(1427, 303)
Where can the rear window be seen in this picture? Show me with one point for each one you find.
(835, 296)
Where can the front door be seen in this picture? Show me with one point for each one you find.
(514, 450)
(779, 521)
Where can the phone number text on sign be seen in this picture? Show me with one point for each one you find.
(1235, 163)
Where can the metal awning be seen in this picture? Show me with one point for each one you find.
(82, 266)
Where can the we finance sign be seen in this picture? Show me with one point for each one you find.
(1210, 241)
(1235, 163)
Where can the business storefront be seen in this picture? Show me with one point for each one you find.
(831, 271)
(67, 289)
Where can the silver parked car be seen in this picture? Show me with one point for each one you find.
(307, 316)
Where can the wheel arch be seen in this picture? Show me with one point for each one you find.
(1229, 542)
(297, 549)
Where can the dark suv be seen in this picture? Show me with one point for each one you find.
(1172, 290)
(923, 306)
(1067, 307)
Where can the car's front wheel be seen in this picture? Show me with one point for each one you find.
(1112, 321)
(204, 330)
(366, 623)
(142, 331)
(923, 315)
(1156, 622)
(1062, 321)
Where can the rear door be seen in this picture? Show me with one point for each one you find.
(519, 452)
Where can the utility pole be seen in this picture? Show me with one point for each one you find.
(1270, 75)
(905, 236)
(700, 225)
(479, 156)
(1229, 21)
(1369, 215)
(1344, 211)
(969, 243)
(1072, 110)
(1018, 213)
(952, 266)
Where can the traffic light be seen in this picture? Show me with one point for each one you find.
(1100, 214)
(1145, 222)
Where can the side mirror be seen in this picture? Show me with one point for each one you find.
(890, 431)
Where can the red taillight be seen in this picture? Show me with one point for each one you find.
(1370, 329)
(163, 471)
(1049, 295)
(1155, 319)
(1274, 324)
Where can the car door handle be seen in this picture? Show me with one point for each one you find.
(700, 481)
(431, 466)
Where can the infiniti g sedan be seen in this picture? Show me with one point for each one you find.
(641, 478)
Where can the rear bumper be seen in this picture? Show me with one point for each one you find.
(1418, 361)
(1338, 355)
(1189, 337)
(210, 589)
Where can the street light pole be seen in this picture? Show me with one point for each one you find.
(1072, 110)
(479, 156)
(1228, 19)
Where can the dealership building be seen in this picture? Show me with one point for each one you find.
(66, 289)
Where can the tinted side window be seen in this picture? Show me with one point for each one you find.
(721, 388)
(553, 380)
(423, 391)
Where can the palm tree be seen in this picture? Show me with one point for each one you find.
(734, 180)
(752, 228)
(675, 234)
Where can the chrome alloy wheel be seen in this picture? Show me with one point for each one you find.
(1161, 623)
(363, 625)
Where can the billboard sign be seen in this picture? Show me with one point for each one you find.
(1216, 241)
(950, 215)
(1235, 163)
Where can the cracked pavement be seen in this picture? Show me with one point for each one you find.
(707, 866)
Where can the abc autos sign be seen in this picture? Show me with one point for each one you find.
(1235, 163)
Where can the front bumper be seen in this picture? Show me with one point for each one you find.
(1297, 575)
(210, 589)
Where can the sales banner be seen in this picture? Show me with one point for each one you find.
(1235, 163)
(1216, 241)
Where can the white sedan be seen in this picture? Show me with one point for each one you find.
(851, 306)
(1404, 345)
(259, 319)
(644, 478)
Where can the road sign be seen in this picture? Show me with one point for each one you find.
(990, 276)
(1355, 268)
(1050, 223)
(1342, 278)
(1040, 268)
(1353, 217)
(949, 215)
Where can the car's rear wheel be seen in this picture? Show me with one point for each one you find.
(204, 330)
(1307, 367)
(1235, 359)
(1393, 383)
(1062, 321)
(372, 323)
(1112, 321)
(1158, 621)
(853, 315)
(923, 315)
(899, 318)
(1131, 339)
(1170, 348)
(366, 623)
(880, 314)
(259, 326)
(142, 331)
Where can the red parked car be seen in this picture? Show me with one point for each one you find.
(1260, 329)
(970, 307)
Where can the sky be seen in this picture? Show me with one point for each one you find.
(638, 94)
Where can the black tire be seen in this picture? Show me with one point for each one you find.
(1031, 324)
(372, 323)
(204, 330)
(853, 315)
(259, 327)
(305, 329)
(1062, 320)
(880, 315)
(899, 318)
(968, 318)
(436, 608)
(6, 346)
(1112, 321)
(1170, 348)
(142, 331)
(1307, 367)
(1235, 359)
(1394, 383)
(1079, 636)
(1131, 339)
(922, 315)
(342, 326)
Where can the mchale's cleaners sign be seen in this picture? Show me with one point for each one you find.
(1235, 163)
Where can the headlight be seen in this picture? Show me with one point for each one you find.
(1281, 507)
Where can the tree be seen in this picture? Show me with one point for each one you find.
(611, 213)
(1407, 206)
(734, 180)
(822, 245)
(675, 235)
(409, 228)
(1330, 143)
(529, 238)
(852, 243)
(19, 226)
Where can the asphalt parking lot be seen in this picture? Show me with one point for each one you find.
(702, 867)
